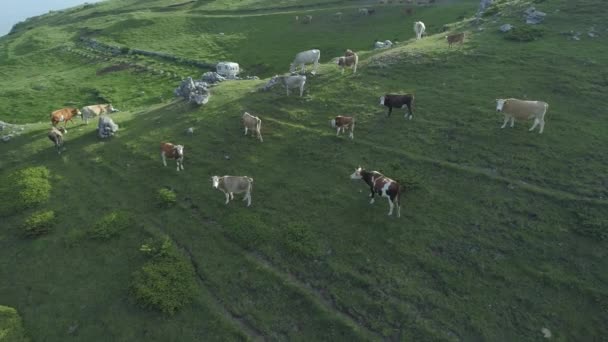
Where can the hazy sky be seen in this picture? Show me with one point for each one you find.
(14, 11)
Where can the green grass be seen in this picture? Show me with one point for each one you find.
(503, 232)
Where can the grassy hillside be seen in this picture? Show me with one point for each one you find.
(503, 232)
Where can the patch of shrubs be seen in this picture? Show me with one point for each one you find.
(247, 229)
(39, 223)
(167, 281)
(24, 189)
(167, 197)
(111, 225)
(11, 326)
(299, 240)
(524, 33)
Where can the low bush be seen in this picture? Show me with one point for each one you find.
(111, 225)
(166, 197)
(524, 33)
(167, 282)
(24, 189)
(11, 327)
(39, 223)
(299, 240)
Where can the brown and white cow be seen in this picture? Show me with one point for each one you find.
(343, 123)
(252, 123)
(399, 101)
(455, 38)
(381, 185)
(350, 59)
(96, 110)
(56, 136)
(174, 152)
(65, 115)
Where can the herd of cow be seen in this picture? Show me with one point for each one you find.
(378, 183)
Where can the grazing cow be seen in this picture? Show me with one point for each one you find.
(350, 59)
(363, 11)
(338, 15)
(297, 18)
(455, 38)
(252, 123)
(303, 58)
(343, 123)
(289, 82)
(523, 110)
(231, 185)
(381, 185)
(174, 152)
(419, 28)
(95, 110)
(56, 136)
(399, 101)
(307, 19)
(65, 115)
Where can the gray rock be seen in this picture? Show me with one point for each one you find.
(190, 130)
(7, 138)
(533, 16)
(212, 77)
(106, 127)
(506, 28)
(193, 91)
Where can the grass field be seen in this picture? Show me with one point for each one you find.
(502, 232)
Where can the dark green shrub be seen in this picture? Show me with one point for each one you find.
(524, 33)
(167, 282)
(111, 225)
(24, 189)
(247, 229)
(39, 223)
(299, 239)
(11, 327)
(167, 197)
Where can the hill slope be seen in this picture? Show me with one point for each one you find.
(503, 232)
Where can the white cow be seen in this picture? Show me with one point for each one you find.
(231, 185)
(419, 28)
(306, 57)
(289, 82)
(522, 110)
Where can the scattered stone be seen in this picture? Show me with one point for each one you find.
(190, 130)
(221, 33)
(383, 45)
(227, 157)
(212, 77)
(533, 16)
(106, 127)
(7, 138)
(193, 91)
(72, 329)
(506, 28)
(546, 332)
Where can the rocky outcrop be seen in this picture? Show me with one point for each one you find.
(106, 127)
(196, 91)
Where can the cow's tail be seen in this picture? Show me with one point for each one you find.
(413, 103)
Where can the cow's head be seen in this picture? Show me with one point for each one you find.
(332, 123)
(357, 173)
(272, 82)
(63, 130)
(179, 150)
(381, 100)
(112, 109)
(216, 181)
(499, 104)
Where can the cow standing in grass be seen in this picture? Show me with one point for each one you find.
(381, 185)
(399, 101)
(342, 123)
(231, 185)
(303, 58)
(289, 82)
(64, 115)
(56, 136)
(350, 59)
(252, 123)
(174, 152)
(96, 110)
(419, 29)
(523, 110)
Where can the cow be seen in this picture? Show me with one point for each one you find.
(338, 16)
(252, 123)
(363, 11)
(455, 38)
(231, 185)
(305, 57)
(95, 110)
(65, 115)
(523, 110)
(343, 123)
(350, 59)
(56, 136)
(289, 82)
(419, 29)
(176, 152)
(307, 19)
(381, 185)
(399, 101)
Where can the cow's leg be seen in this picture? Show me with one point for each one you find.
(505, 122)
(536, 122)
(410, 111)
(248, 198)
(542, 126)
(371, 201)
(301, 90)
(390, 110)
(342, 70)
(227, 197)
(391, 206)
(245, 130)
(181, 163)
(338, 131)
(162, 156)
(231, 195)
(352, 132)
(512, 121)
(287, 88)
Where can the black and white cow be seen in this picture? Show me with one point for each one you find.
(399, 101)
(381, 185)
